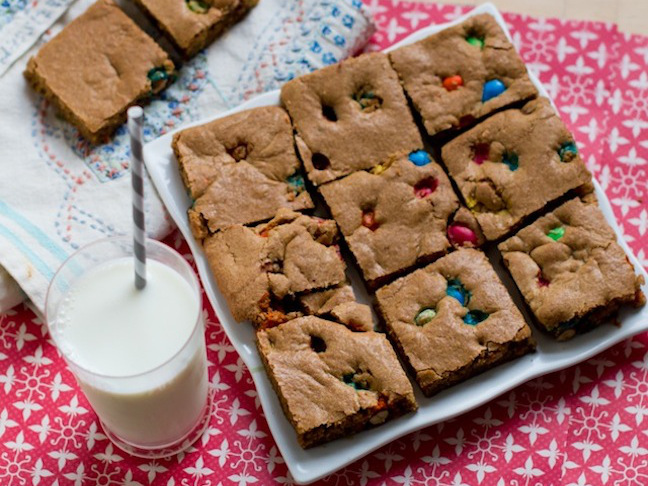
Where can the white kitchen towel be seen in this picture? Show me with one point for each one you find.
(58, 193)
(21, 24)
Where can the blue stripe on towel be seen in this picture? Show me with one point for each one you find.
(39, 264)
(34, 231)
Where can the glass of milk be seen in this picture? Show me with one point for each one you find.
(138, 355)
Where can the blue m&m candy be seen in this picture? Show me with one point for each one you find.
(351, 380)
(474, 317)
(458, 291)
(419, 158)
(568, 151)
(511, 160)
(157, 74)
(492, 89)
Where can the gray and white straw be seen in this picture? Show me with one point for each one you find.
(135, 118)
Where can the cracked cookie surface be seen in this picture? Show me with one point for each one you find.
(513, 164)
(338, 304)
(452, 320)
(570, 269)
(395, 217)
(261, 270)
(350, 116)
(457, 75)
(333, 382)
(240, 169)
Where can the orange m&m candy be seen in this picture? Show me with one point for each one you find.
(452, 82)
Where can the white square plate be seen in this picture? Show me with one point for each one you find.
(312, 464)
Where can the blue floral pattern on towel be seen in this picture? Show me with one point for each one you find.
(303, 37)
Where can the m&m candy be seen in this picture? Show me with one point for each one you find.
(425, 187)
(461, 235)
(511, 160)
(379, 169)
(296, 182)
(567, 151)
(480, 153)
(492, 89)
(556, 233)
(198, 6)
(475, 41)
(452, 82)
(419, 158)
(425, 316)
(542, 280)
(369, 220)
(458, 291)
(474, 317)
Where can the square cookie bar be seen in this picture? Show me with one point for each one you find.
(194, 24)
(96, 67)
(396, 216)
(349, 117)
(261, 270)
(452, 320)
(462, 74)
(513, 164)
(570, 270)
(240, 169)
(332, 382)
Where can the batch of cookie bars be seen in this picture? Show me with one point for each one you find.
(498, 170)
(103, 62)
(502, 170)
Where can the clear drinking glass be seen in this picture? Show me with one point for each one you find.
(156, 412)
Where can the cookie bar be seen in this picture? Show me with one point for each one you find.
(395, 216)
(261, 270)
(350, 116)
(462, 74)
(570, 270)
(332, 382)
(240, 169)
(192, 25)
(452, 320)
(96, 67)
(513, 164)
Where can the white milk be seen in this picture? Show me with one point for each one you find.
(142, 357)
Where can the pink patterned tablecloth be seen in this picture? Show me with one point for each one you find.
(587, 425)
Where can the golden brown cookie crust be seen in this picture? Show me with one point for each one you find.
(566, 279)
(97, 67)
(261, 137)
(500, 197)
(446, 350)
(353, 114)
(240, 169)
(256, 268)
(333, 382)
(409, 223)
(424, 65)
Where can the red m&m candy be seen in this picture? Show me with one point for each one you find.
(460, 235)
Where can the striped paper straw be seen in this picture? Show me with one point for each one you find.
(135, 117)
